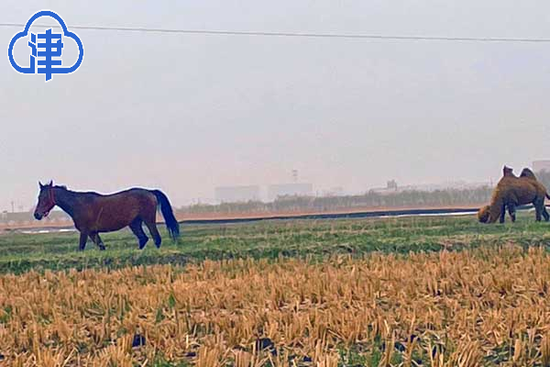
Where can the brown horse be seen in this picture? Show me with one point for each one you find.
(94, 213)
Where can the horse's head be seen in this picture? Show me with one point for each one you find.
(46, 201)
(483, 214)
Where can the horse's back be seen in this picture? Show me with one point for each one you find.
(133, 195)
(117, 210)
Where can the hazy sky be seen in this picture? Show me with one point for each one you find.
(186, 113)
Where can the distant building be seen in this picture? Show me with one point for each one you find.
(333, 191)
(391, 185)
(291, 189)
(237, 194)
(539, 166)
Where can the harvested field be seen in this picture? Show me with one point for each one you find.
(475, 307)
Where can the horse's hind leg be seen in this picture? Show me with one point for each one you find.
(545, 213)
(97, 240)
(137, 229)
(154, 232)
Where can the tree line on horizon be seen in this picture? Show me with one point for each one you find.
(371, 199)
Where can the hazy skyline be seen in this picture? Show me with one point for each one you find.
(186, 113)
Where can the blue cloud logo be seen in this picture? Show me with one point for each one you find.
(45, 49)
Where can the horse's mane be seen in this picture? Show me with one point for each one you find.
(64, 188)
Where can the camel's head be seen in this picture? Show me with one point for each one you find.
(483, 214)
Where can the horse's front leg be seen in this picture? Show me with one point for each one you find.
(83, 240)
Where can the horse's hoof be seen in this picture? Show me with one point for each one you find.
(101, 248)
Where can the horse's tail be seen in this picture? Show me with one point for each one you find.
(171, 223)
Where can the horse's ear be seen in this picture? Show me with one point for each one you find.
(51, 183)
(40, 184)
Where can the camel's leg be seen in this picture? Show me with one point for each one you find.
(539, 207)
(502, 217)
(512, 211)
(545, 213)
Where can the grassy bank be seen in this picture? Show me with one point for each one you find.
(268, 239)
